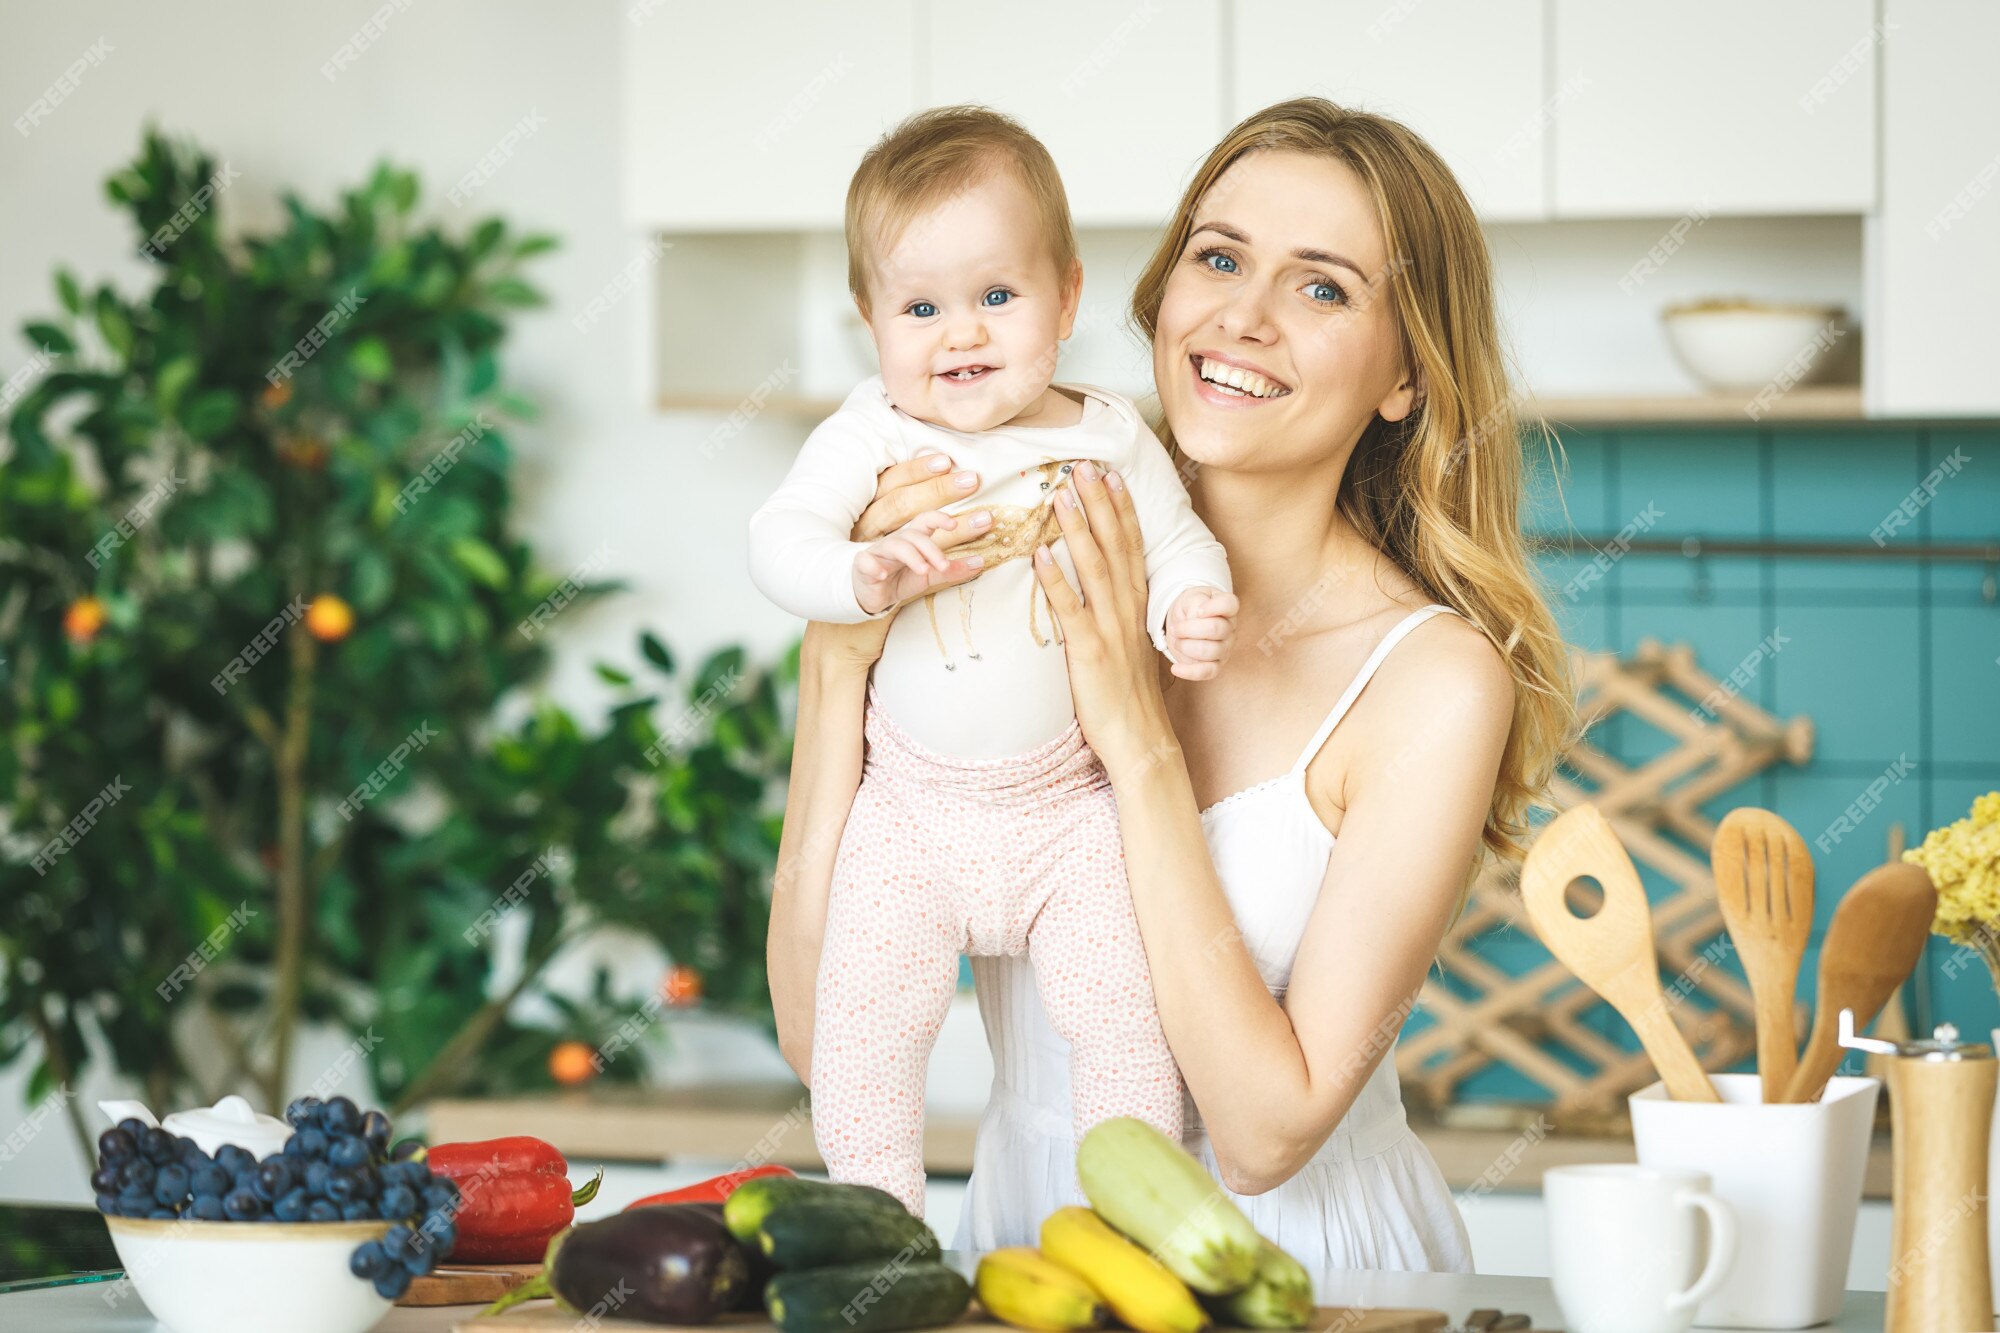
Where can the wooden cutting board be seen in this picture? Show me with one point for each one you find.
(545, 1316)
(467, 1284)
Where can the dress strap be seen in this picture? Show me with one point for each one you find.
(1354, 687)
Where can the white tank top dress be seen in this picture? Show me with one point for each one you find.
(1372, 1197)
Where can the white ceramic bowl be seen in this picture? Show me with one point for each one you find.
(1749, 345)
(249, 1277)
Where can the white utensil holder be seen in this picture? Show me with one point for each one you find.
(1793, 1174)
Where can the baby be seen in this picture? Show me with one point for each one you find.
(983, 824)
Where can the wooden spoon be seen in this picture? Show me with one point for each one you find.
(1764, 884)
(1612, 951)
(1873, 942)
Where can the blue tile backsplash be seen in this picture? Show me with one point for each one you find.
(1897, 662)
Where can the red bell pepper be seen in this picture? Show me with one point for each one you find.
(713, 1190)
(514, 1195)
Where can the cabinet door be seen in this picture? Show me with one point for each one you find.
(1714, 106)
(1933, 252)
(1128, 98)
(754, 116)
(1465, 74)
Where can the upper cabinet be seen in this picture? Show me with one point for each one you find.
(1713, 106)
(1933, 279)
(1468, 75)
(715, 142)
(1127, 98)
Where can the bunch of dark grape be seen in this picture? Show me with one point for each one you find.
(336, 1166)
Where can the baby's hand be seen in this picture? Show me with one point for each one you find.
(909, 563)
(1201, 628)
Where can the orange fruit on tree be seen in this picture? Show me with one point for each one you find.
(329, 619)
(305, 452)
(83, 619)
(572, 1062)
(277, 394)
(682, 986)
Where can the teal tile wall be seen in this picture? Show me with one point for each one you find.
(1897, 662)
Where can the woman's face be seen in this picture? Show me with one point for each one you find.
(1281, 294)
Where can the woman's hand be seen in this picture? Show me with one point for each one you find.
(904, 492)
(1114, 672)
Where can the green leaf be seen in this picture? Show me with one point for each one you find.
(209, 414)
(370, 359)
(485, 236)
(68, 292)
(512, 291)
(371, 580)
(613, 674)
(172, 382)
(656, 652)
(529, 246)
(481, 561)
(113, 324)
(51, 336)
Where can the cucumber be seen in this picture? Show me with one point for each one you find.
(869, 1297)
(816, 1233)
(745, 1210)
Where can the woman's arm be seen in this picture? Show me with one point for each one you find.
(834, 661)
(1273, 1080)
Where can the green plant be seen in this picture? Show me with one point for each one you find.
(267, 650)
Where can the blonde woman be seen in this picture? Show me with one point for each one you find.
(1300, 831)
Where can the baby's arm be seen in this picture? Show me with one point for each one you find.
(1181, 553)
(800, 553)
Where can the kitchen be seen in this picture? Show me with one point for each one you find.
(1739, 254)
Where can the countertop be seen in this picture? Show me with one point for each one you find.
(82, 1309)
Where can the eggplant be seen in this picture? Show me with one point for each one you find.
(666, 1264)
(762, 1270)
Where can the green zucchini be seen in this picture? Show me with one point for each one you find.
(753, 1200)
(816, 1233)
(868, 1297)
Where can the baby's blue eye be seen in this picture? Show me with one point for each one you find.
(999, 296)
(922, 309)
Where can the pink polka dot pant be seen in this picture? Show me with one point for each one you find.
(944, 856)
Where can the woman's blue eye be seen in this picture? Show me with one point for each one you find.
(999, 296)
(1320, 285)
(922, 309)
(1228, 263)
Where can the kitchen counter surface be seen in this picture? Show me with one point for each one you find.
(83, 1309)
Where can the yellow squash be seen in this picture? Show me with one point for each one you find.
(1137, 1287)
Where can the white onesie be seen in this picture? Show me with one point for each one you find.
(979, 673)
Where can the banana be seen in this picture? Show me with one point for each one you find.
(1279, 1296)
(1137, 1287)
(1019, 1287)
(1153, 1190)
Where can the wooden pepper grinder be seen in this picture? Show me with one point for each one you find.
(1941, 1095)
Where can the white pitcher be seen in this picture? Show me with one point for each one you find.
(231, 1120)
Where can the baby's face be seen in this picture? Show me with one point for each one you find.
(967, 309)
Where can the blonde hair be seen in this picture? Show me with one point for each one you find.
(1438, 492)
(932, 156)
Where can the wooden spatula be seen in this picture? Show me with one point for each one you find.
(1612, 951)
(1764, 885)
(1874, 940)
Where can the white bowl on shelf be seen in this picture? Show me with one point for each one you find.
(249, 1277)
(1740, 344)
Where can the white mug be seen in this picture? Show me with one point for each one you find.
(1624, 1246)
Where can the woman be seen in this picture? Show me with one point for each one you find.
(1366, 489)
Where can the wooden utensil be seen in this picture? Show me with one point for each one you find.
(1611, 952)
(1764, 885)
(1874, 940)
(466, 1284)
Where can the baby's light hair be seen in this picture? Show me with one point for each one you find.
(932, 156)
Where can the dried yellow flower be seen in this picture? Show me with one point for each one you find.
(1963, 859)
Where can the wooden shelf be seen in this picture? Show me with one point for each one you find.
(768, 1123)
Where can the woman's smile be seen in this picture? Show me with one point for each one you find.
(1225, 381)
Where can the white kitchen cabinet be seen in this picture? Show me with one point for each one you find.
(1128, 98)
(753, 116)
(1713, 106)
(1465, 74)
(1934, 248)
